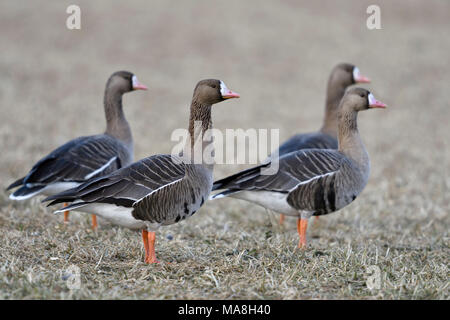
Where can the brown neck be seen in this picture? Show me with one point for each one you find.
(200, 114)
(335, 92)
(116, 124)
(199, 134)
(350, 142)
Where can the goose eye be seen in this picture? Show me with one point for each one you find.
(362, 95)
(214, 86)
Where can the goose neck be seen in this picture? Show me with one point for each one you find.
(350, 142)
(330, 125)
(116, 124)
(199, 144)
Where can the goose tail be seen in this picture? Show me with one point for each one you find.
(73, 206)
(16, 183)
(223, 194)
(25, 192)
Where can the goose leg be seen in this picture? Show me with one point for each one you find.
(94, 222)
(282, 216)
(146, 248)
(66, 214)
(302, 225)
(149, 246)
(151, 240)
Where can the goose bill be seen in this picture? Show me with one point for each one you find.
(137, 85)
(374, 103)
(227, 93)
(358, 77)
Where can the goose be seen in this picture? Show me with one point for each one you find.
(341, 77)
(311, 181)
(159, 190)
(89, 156)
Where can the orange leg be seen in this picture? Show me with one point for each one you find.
(282, 216)
(302, 225)
(149, 246)
(145, 239)
(66, 214)
(94, 222)
(151, 240)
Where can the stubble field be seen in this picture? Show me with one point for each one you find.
(278, 57)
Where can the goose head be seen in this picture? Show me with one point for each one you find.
(123, 82)
(346, 74)
(359, 99)
(211, 91)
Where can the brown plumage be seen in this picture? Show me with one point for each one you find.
(86, 157)
(342, 76)
(158, 190)
(117, 126)
(311, 181)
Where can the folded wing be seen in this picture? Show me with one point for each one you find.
(295, 168)
(127, 185)
(76, 161)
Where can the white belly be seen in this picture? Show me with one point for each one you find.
(275, 201)
(117, 215)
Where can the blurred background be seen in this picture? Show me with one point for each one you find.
(276, 54)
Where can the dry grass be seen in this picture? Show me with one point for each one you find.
(278, 57)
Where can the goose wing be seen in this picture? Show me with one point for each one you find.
(296, 168)
(77, 160)
(55, 154)
(125, 186)
(315, 140)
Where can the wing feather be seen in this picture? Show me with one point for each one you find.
(294, 168)
(131, 183)
(77, 160)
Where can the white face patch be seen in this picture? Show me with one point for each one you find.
(134, 81)
(356, 73)
(372, 99)
(223, 89)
